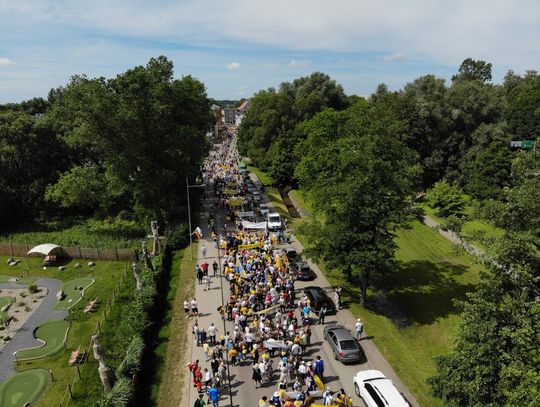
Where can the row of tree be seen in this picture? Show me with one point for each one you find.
(362, 162)
(104, 146)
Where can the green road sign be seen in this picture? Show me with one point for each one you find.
(527, 144)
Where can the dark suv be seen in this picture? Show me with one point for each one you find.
(318, 297)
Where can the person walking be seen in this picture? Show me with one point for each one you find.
(194, 307)
(199, 402)
(359, 327)
(212, 331)
(213, 395)
(203, 251)
(318, 367)
(322, 314)
(215, 267)
(256, 375)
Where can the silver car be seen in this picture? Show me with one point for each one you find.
(344, 346)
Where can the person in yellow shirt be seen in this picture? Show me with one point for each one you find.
(233, 353)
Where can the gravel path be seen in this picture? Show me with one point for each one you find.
(24, 338)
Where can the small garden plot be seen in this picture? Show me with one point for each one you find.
(53, 334)
(24, 388)
(73, 292)
(16, 280)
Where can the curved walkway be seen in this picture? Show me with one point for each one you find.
(24, 338)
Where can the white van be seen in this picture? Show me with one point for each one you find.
(273, 221)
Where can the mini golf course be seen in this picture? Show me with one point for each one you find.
(24, 387)
(73, 292)
(53, 334)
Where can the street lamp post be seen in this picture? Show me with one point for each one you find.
(189, 212)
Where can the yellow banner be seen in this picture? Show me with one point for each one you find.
(250, 246)
(230, 192)
(266, 310)
(235, 201)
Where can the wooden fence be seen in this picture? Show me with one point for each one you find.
(92, 253)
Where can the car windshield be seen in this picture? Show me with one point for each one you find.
(304, 269)
(348, 345)
(273, 218)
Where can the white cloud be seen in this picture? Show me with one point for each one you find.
(5, 62)
(299, 64)
(397, 57)
(233, 66)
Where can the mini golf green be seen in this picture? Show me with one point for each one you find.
(73, 294)
(53, 333)
(21, 280)
(3, 302)
(24, 387)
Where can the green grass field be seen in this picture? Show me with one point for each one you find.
(3, 302)
(25, 387)
(53, 334)
(73, 293)
(21, 278)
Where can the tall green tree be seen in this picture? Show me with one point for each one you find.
(360, 184)
(143, 128)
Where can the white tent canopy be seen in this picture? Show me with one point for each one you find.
(46, 249)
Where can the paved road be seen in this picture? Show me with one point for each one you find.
(24, 338)
(243, 392)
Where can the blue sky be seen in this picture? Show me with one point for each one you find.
(237, 47)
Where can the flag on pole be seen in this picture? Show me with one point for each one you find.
(197, 233)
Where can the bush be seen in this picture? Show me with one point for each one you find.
(177, 236)
(32, 289)
(446, 199)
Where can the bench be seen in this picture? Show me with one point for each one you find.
(77, 357)
(91, 307)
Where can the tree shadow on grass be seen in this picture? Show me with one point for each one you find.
(422, 291)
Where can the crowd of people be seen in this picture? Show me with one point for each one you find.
(271, 328)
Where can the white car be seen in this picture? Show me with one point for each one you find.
(377, 391)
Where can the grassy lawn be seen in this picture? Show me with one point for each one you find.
(300, 197)
(173, 348)
(263, 176)
(91, 233)
(106, 275)
(53, 334)
(472, 229)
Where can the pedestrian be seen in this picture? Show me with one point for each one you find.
(212, 331)
(208, 376)
(263, 402)
(194, 307)
(203, 251)
(199, 402)
(327, 397)
(206, 349)
(200, 274)
(213, 396)
(256, 375)
(322, 314)
(318, 367)
(215, 267)
(186, 306)
(359, 328)
(208, 281)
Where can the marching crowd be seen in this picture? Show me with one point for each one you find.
(271, 328)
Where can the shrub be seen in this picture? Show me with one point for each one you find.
(32, 289)
(446, 199)
(177, 236)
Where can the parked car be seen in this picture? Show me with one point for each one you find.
(318, 298)
(290, 252)
(376, 390)
(302, 271)
(344, 346)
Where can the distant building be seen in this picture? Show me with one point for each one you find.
(242, 110)
(229, 115)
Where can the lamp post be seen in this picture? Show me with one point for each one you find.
(189, 212)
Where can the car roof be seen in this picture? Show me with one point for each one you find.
(383, 386)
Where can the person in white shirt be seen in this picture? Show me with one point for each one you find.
(359, 327)
(212, 331)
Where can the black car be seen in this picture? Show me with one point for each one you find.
(302, 271)
(290, 252)
(318, 297)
